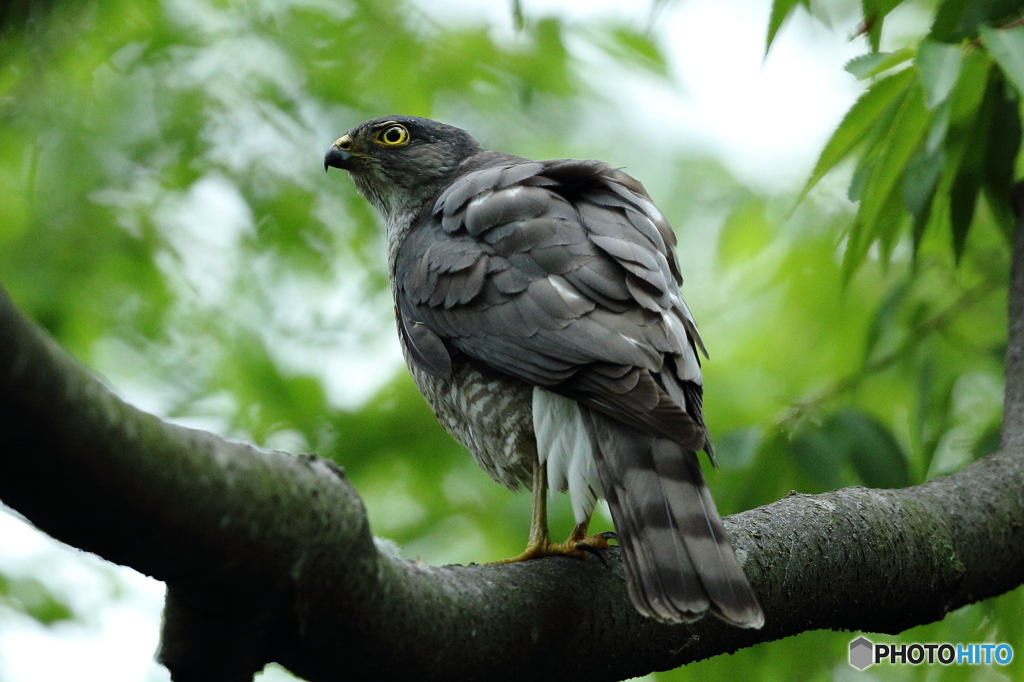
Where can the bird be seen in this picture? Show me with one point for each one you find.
(539, 311)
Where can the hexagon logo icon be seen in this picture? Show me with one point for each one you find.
(862, 653)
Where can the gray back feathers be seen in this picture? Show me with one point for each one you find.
(536, 270)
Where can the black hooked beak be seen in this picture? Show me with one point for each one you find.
(339, 155)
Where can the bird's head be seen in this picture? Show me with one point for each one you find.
(400, 162)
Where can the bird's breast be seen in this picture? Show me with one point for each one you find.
(490, 415)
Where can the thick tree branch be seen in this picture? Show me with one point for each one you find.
(268, 556)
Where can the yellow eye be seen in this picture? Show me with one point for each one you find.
(394, 135)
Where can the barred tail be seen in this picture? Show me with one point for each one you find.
(679, 562)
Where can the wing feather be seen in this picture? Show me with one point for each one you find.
(560, 274)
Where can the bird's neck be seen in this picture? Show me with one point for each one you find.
(397, 226)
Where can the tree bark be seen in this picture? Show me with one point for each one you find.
(268, 556)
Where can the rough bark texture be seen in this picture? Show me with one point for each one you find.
(268, 556)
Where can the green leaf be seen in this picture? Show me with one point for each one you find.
(939, 128)
(638, 48)
(881, 197)
(855, 437)
(949, 18)
(772, 473)
(874, 143)
(920, 181)
(874, 63)
(885, 317)
(951, 133)
(866, 113)
(939, 66)
(970, 88)
(876, 455)
(963, 199)
(34, 599)
(875, 12)
(989, 440)
(1004, 139)
(1007, 47)
(781, 9)
(971, 171)
(957, 20)
(815, 452)
(518, 19)
(860, 176)
(891, 219)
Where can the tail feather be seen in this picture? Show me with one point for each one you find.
(679, 562)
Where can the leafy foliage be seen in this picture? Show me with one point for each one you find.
(936, 135)
(34, 599)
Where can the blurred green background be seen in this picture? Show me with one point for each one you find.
(165, 215)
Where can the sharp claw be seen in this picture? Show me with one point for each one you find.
(592, 550)
(610, 535)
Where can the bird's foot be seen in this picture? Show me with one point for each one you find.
(578, 546)
(546, 548)
(597, 542)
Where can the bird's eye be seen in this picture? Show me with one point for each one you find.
(393, 136)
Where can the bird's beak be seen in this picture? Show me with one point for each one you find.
(339, 155)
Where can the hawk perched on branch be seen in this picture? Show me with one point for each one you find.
(539, 311)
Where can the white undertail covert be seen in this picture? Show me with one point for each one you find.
(564, 446)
